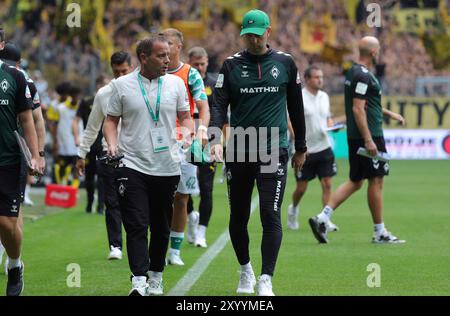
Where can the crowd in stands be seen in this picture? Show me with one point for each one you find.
(37, 30)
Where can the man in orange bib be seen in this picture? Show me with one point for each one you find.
(188, 181)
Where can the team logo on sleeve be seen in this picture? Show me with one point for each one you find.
(361, 88)
(219, 82)
(4, 85)
(27, 93)
(274, 72)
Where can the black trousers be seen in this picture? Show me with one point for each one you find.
(206, 183)
(241, 177)
(113, 218)
(146, 202)
(91, 171)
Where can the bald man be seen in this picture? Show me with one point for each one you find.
(364, 129)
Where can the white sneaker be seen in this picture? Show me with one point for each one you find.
(139, 286)
(265, 286)
(194, 217)
(27, 201)
(175, 259)
(155, 286)
(292, 217)
(115, 253)
(331, 227)
(386, 238)
(200, 242)
(247, 283)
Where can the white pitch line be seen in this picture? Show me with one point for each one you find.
(195, 272)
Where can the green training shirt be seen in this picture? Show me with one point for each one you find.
(360, 83)
(260, 91)
(15, 98)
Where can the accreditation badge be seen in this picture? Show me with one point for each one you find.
(160, 140)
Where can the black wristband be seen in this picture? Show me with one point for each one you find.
(41, 154)
(303, 149)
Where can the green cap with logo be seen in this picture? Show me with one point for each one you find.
(255, 22)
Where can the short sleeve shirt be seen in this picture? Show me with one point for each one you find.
(135, 140)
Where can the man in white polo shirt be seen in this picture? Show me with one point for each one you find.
(320, 158)
(148, 102)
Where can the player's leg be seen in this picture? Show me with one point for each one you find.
(178, 225)
(271, 191)
(160, 218)
(188, 185)
(206, 183)
(302, 178)
(300, 190)
(376, 171)
(343, 192)
(193, 218)
(375, 199)
(11, 193)
(326, 184)
(113, 217)
(326, 169)
(133, 197)
(293, 209)
(240, 182)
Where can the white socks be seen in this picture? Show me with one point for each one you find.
(14, 263)
(294, 209)
(379, 228)
(326, 214)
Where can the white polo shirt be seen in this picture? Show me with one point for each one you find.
(317, 111)
(135, 140)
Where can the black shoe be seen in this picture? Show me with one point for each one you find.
(319, 230)
(15, 281)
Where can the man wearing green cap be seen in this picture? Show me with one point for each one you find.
(258, 83)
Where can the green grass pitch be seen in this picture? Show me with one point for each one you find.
(416, 205)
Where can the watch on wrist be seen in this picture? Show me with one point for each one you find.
(42, 154)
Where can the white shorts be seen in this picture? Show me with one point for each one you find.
(188, 180)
